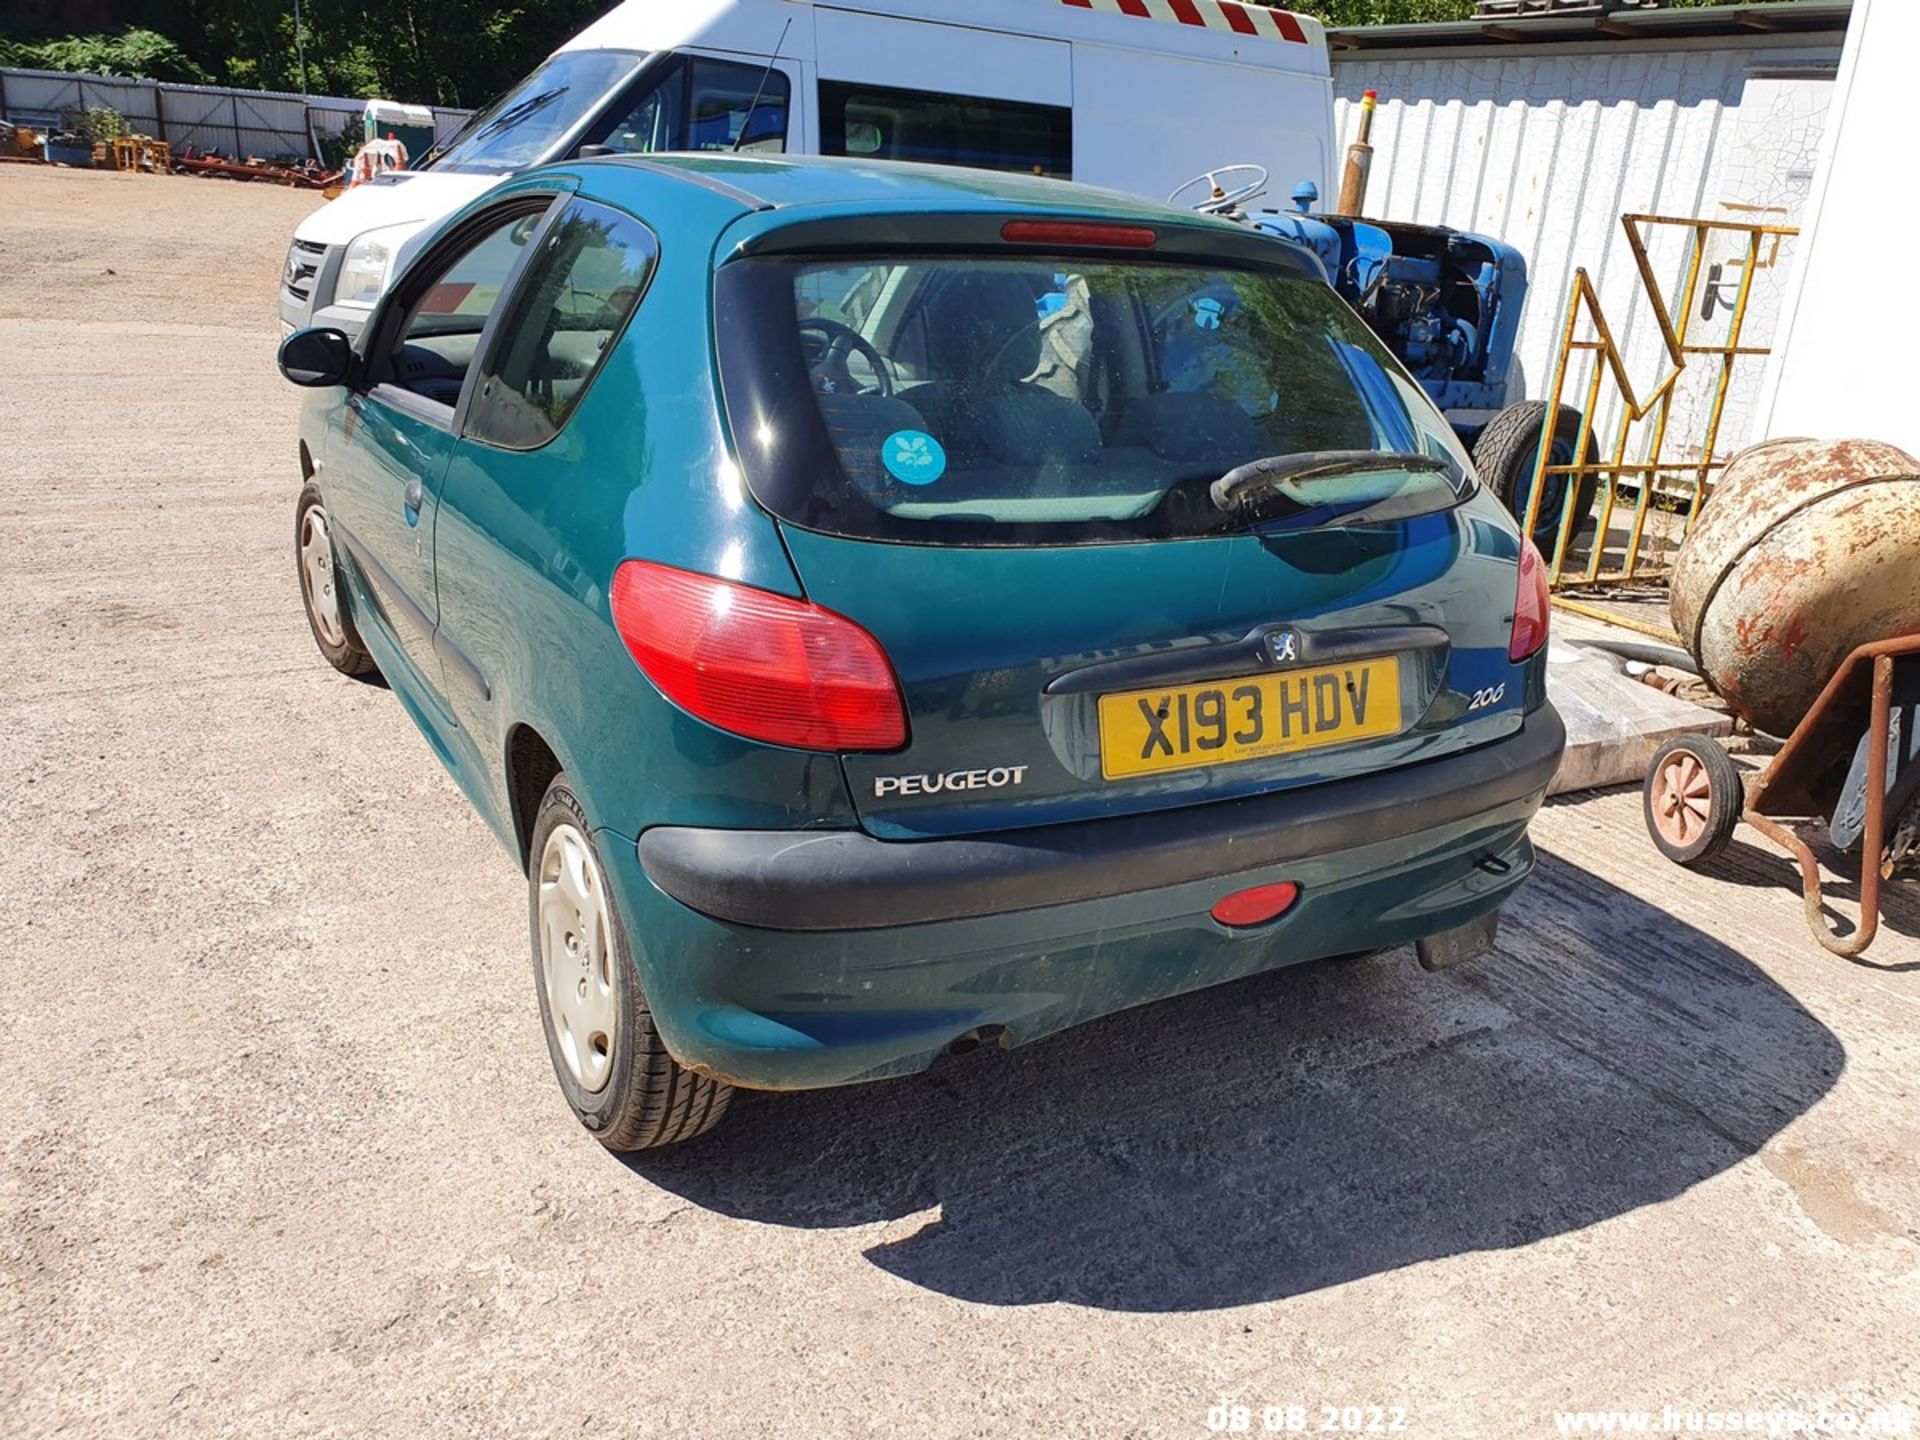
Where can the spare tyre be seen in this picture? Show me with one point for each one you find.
(1507, 451)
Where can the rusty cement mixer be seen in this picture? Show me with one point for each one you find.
(1797, 592)
(1806, 550)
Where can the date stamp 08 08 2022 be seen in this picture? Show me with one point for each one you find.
(1227, 1418)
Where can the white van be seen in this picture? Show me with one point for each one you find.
(1138, 95)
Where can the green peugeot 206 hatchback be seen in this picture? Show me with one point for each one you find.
(886, 610)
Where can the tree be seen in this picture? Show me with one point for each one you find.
(1409, 12)
(134, 52)
(1379, 12)
(447, 52)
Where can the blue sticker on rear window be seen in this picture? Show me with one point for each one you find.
(913, 457)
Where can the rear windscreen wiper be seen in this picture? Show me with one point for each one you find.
(1257, 480)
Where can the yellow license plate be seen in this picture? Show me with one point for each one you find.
(1178, 727)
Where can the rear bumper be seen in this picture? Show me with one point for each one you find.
(1029, 933)
(847, 880)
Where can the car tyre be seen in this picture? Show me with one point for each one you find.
(321, 594)
(1692, 799)
(622, 1084)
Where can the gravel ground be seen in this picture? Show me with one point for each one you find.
(283, 1155)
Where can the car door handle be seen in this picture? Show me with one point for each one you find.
(414, 497)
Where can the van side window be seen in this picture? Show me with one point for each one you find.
(707, 104)
(871, 122)
(564, 319)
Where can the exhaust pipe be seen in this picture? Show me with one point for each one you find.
(1353, 180)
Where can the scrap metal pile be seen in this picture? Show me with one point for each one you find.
(304, 176)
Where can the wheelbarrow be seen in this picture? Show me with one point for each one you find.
(1854, 759)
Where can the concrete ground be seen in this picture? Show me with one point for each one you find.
(283, 1154)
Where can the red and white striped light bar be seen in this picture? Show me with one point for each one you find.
(1209, 14)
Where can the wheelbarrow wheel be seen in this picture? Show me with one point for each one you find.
(1693, 797)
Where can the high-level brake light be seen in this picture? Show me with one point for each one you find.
(1078, 232)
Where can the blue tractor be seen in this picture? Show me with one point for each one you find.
(1447, 304)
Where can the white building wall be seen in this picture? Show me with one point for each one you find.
(1545, 147)
(1844, 367)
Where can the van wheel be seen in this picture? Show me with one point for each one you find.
(612, 1066)
(321, 591)
(1506, 453)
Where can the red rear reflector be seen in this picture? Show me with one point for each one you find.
(1256, 906)
(758, 664)
(1529, 604)
(1077, 232)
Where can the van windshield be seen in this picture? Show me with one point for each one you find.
(522, 127)
(979, 400)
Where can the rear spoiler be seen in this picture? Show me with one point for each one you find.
(1173, 237)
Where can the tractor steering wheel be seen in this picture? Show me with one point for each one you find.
(1220, 199)
(829, 362)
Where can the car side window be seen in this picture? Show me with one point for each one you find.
(708, 105)
(561, 323)
(435, 345)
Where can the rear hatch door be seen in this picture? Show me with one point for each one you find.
(1003, 466)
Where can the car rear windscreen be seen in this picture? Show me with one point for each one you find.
(1029, 399)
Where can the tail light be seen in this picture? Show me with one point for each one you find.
(1529, 604)
(758, 664)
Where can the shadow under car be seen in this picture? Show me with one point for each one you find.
(1305, 1127)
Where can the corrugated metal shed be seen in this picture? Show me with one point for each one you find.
(1545, 145)
(1601, 20)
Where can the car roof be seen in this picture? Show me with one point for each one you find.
(785, 182)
